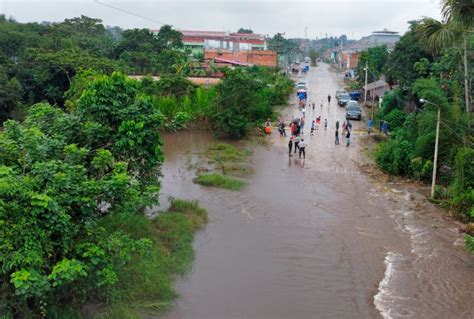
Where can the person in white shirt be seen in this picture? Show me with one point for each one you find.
(302, 147)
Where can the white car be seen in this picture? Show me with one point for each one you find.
(352, 104)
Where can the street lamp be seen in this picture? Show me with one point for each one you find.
(435, 161)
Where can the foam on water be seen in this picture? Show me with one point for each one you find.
(384, 299)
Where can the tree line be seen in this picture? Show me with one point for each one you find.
(80, 159)
(430, 67)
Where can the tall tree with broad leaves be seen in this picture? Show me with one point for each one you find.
(455, 28)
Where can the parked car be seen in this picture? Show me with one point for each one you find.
(352, 103)
(301, 85)
(354, 112)
(355, 95)
(339, 92)
(343, 99)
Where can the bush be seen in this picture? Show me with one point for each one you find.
(396, 119)
(462, 187)
(229, 122)
(220, 181)
(393, 156)
(145, 284)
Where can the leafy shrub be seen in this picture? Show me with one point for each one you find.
(393, 156)
(395, 119)
(221, 181)
(462, 187)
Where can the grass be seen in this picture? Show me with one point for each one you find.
(145, 285)
(237, 169)
(219, 180)
(227, 153)
(223, 160)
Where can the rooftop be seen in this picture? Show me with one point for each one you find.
(385, 31)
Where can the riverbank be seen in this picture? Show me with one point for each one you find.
(144, 285)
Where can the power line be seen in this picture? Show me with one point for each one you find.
(129, 12)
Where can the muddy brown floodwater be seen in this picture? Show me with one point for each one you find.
(316, 238)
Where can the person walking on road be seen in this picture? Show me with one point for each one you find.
(290, 146)
(296, 143)
(337, 137)
(304, 111)
(344, 127)
(325, 124)
(337, 124)
(329, 99)
(348, 138)
(313, 126)
(313, 105)
(302, 147)
(321, 103)
(349, 126)
(369, 126)
(281, 129)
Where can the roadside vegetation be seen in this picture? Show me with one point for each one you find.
(45, 62)
(431, 62)
(145, 285)
(80, 159)
(73, 186)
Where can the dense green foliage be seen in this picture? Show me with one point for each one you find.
(400, 65)
(145, 285)
(80, 161)
(246, 98)
(54, 62)
(376, 59)
(409, 150)
(60, 175)
(73, 186)
(38, 62)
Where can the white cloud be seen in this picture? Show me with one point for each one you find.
(355, 18)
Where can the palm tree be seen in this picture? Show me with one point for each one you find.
(454, 29)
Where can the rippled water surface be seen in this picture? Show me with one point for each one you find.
(316, 238)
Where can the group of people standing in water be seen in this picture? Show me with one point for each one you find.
(297, 143)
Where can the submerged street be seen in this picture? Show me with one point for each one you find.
(316, 238)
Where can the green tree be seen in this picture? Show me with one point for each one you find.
(10, 95)
(313, 55)
(400, 64)
(244, 30)
(455, 29)
(376, 58)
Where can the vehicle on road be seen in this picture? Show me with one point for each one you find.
(343, 99)
(354, 112)
(339, 92)
(352, 103)
(355, 95)
(301, 86)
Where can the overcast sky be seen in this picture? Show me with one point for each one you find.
(355, 18)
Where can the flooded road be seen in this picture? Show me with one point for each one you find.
(316, 238)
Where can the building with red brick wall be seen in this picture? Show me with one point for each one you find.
(350, 60)
(253, 57)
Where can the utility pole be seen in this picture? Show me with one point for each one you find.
(435, 161)
(365, 88)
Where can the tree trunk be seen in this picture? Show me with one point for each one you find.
(467, 95)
